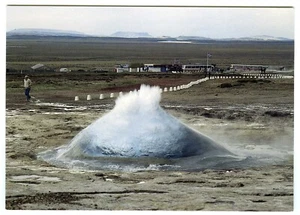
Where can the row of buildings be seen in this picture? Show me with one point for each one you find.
(197, 68)
(174, 68)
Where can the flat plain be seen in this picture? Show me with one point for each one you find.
(88, 53)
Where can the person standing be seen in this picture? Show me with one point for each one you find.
(27, 87)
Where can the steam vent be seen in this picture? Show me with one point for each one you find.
(138, 133)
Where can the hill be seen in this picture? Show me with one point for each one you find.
(44, 32)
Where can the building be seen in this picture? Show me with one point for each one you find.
(248, 68)
(122, 68)
(155, 68)
(64, 70)
(40, 68)
(197, 68)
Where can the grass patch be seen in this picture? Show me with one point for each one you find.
(86, 53)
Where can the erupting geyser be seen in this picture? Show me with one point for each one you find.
(137, 133)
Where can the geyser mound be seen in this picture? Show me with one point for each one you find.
(137, 133)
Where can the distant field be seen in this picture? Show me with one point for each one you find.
(86, 53)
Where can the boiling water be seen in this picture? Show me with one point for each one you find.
(137, 134)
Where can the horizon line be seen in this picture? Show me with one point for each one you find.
(150, 36)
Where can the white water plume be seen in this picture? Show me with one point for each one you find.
(137, 126)
(138, 131)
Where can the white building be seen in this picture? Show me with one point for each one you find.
(39, 67)
(122, 68)
(63, 70)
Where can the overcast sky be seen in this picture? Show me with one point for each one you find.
(221, 22)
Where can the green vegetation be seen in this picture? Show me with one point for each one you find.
(88, 53)
(64, 86)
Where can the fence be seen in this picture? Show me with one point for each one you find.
(186, 86)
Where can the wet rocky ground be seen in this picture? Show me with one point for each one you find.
(253, 117)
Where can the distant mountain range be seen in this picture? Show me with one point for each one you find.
(129, 34)
(261, 38)
(253, 38)
(44, 32)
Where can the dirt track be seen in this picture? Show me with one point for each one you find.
(251, 114)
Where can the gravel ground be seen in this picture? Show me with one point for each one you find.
(252, 116)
